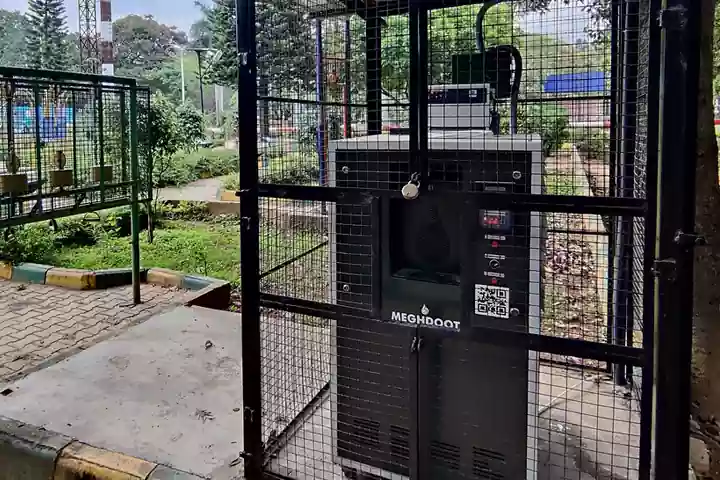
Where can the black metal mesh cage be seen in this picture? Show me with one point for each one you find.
(451, 238)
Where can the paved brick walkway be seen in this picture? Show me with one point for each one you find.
(41, 324)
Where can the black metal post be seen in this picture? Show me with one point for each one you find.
(373, 73)
(650, 11)
(347, 115)
(680, 23)
(249, 241)
(623, 249)
(418, 92)
(615, 39)
(200, 79)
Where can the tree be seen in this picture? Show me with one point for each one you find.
(142, 44)
(191, 125)
(706, 364)
(221, 21)
(200, 31)
(13, 26)
(46, 45)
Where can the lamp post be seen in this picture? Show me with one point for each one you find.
(181, 49)
(198, 51)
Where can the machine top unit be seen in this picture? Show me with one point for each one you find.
(445, 140)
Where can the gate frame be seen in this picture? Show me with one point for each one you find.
(674, 46)
(679, 21)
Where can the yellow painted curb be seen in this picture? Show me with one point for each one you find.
(167, 278)
(80, 461)
(6, 270)
(229, 196)
(70, 278)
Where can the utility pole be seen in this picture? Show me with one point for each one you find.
(88, 36)
(107, 56)
(198, 51)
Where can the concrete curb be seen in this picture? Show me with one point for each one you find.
(6, 270)
(28, 452)
(70, 278)
(77, 279)
(29, 273)
(206, 291)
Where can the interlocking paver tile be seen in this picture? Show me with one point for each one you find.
(41, 322)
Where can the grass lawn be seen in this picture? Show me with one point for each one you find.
(210, 249)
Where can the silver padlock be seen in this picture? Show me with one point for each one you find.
(410, 191)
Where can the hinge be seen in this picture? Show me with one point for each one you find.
(688, 240)
(249, 414)
(672, 18)
(245, 223)
(664, 268)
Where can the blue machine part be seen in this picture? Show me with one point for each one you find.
(582, 82)
(54, 122)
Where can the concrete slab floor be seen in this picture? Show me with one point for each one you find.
(41, 324)
(168, 390)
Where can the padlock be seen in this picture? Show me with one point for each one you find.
(410, 191)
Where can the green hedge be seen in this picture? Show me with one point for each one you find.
(187, 167)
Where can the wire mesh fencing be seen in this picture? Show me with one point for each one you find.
(451, 217)
(69, 143)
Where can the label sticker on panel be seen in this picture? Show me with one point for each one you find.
(492, 301)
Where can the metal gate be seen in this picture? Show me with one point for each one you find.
(453, 259)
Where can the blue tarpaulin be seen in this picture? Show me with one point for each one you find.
(583, 82)
(53, 121)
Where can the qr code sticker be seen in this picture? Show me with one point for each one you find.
(492, 301)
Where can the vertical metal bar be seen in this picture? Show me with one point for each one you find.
(418, 164)
(422, 97)
(648, 328)
(348, 83)
(614, 102)
(38, 146)
(123, 132)
(249, 241)
(373, 72)
(10, 92)
(200, 80)
(320, 98)
(414, 87)
(676, 212)
(623, 299)
(74, 139)
(135, 193)
(101, 141)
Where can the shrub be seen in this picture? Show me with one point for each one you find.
(292, 169)
(78, 232)
(593, 142)
(203, 163)
(27, 244)
(186, 211)
(191, 126)
(550, 121)
(231, 182)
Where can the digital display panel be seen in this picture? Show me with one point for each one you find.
(496, 219)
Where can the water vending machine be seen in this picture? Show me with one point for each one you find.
(433, 268)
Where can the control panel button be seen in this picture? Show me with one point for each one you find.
(494, 264)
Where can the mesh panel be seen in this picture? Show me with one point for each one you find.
(437, 220)
(67, 145)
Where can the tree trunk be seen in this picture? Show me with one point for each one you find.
(706, 325)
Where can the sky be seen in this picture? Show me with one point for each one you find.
(181, 13)
(567, 22)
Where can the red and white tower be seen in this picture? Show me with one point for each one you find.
(107, 56)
